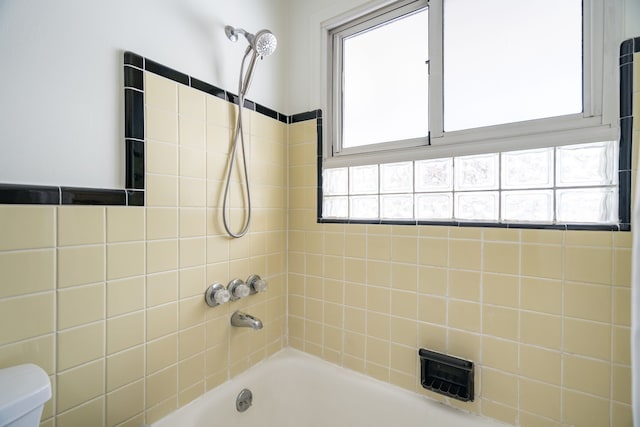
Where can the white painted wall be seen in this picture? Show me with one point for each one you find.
(61, 102)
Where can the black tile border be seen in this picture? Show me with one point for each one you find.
(133, 194)
(627, 50)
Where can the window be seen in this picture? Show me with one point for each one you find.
(459, 110)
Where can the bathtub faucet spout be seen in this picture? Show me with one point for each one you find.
(245, 320)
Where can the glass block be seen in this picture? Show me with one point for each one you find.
(477, 206)
(528, 169)
(363, 207)
(335, 207)
(527, 206)
(434, 206)
(396, 206)
(396, 177)
(434, 175)
(363, 179)
(476, 172)
(334, 182)
(586, 164)
(589, 205)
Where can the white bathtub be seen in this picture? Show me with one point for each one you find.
(293, 389)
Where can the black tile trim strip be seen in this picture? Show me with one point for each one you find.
(29, 194)
(93, 196)
(627, 48)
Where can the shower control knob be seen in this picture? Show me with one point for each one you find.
(216, 294)
(257, 284)
(238, 289)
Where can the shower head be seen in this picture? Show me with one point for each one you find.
(263, 43)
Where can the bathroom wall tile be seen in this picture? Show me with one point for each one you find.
(161, 353)
(586, 375)
(541, 261)
(161, 158)
(25, 227)
(125, 260)
(539, 398)
(162, 223)
(160, 92)
(500, 354)
(589, 302)
(125, 332)
(80, 225)
(161, 191)
(26, 272)
(124, 403)
(190, 374)
(30, 316)
(404, 304)
(588, 238)
(622, 267)
(192, 252)
(404, 249)
(464, 285)
(530, 420)
(465, 254)
(500, 322)
(463, 344)
(161, 125)
(81, 265)
(404, 276)
(499, 412)
(193, 192)
(125, 367)
(39, 351)
(79, 385)
(192, 222)
(589, 265)
(355, 245)
(621, 388)
(191, 103)
(587, 338)
(432, 280)
(378, 299)
(80, 305)
(500, 387)
(162, 321)
(378, 325)
(192, 163)
(379, 273)
(501, 257)
(621, 345)
(540, 329)
(540, 364)
(377, 351)
(432, 309)
(191, 132)
(125, 224)
(191, 312)
(500, 289)
(161, 410)
(80, 345)
(192, 282)
(379, 247)
(125, 296)
(162, 255)
(161, 386)
(218, 111)
(584, 410)
(88, 414)
(162, 288)
(541, 295)
(621, 414)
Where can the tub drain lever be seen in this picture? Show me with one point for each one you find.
(244, 400)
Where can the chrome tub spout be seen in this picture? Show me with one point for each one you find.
(244, 320)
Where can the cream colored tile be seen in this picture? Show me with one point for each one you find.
(500, 387)
(500, 322)
(589, 238)
(191, 102)
(539, 398)
(192, 252)
(542, 261)
(39, 351)
(621, 414)
(404, 249)
(587, 338)
(464, 285)
(161, 125)
(26, 272)
(378, 299)
(621, 377)
(355, 270)
(463, 344)
(403, 359)
(191, 372)
(125, 332)
(192, 163)
(500, 354)
(404, 304)
(125, 224)
(192, 222)
(125, 296)
(88, 414)
(378, 325)
(355, 245)
(589, 265)
(432, 309)
(541, 329)
(540, 364)
(125, 367)
(379, 273)
(586, 375)
(160, 92)
(218, 111)
(465, 254)
(79, 385)
(161, 191)
(501, 234)
(162, 288)
(354, 320)
(541, 295)
(125, 403)
(191, 132)
(161, 158)
(622, 267)
(80, 305)
(551, 237)
(191, 312)
(26, 227)
(584, 410)
(161, 385)
(81, 265)
(125, 260)
(589, 302)
(80, 345)
(162, 223)
(500, 289)
(193, 192)
(464, 315)
(162, 321)
(192, 282)
(501, 257)
(80, 225)
(162, 255)
(499, 412)
(162, 353)
(433, 280)
(377, 351)
(433, 337)
(29, 316)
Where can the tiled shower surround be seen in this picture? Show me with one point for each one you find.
(109, 299)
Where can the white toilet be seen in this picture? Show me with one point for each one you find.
(24, 389)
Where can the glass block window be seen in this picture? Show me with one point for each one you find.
(573, 184)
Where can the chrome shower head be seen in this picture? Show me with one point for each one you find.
(263, 43)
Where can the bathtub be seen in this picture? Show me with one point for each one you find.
(294, 389)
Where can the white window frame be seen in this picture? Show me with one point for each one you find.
(602, 23)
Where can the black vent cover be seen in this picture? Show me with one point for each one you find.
(447, 375)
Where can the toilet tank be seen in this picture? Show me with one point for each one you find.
(24, 389)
